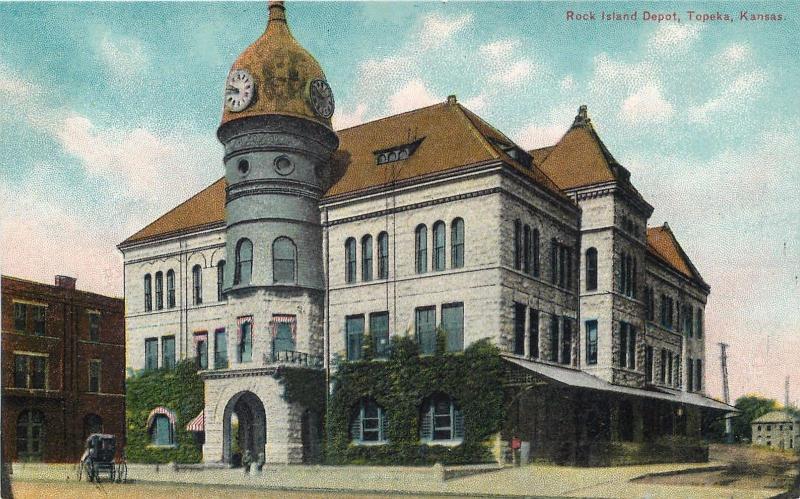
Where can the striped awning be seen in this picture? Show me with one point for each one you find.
(198, 423)
(161, 410)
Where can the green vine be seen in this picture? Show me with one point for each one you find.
(181, 391)
(400, 384)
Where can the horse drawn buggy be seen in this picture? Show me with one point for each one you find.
(98, 458)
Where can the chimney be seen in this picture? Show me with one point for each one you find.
(451, 100)
(65, 282)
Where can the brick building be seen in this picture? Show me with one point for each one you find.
(316, 241)
(63, 369)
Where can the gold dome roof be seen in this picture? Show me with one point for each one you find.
(282, 71)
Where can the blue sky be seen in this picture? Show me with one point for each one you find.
(108, 113)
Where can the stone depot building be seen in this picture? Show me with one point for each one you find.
(315, 239)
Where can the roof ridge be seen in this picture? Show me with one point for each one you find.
(376, 120)
(463, 113)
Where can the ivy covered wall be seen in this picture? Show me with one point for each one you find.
(181, 391)
(400, 384)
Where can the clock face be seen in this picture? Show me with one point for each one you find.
(321, 98)
(239, 90)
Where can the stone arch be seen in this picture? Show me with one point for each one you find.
(252, 425)
(217, 255)
(197, 257)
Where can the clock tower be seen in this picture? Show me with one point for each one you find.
(276, 129)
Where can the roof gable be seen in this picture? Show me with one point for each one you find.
(662, 244)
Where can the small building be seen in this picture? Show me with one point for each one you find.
(777, 429)
(63, 369)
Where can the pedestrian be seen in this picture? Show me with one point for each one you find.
(246, 460)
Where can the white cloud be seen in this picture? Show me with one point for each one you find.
(534, 135)
(412, 95)
(124, 57)
(499, 48)
(343, 119)
(513, 74)
(736, 53)
(567, 83)
(736, 96)
(646, 105)
(476, 103)
(609, 75)
(437, 29)
(14, 86)
(673, 37)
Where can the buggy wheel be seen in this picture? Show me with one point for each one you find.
(79, 471)
(91, 471)
(122, 473)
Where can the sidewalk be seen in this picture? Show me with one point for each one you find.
(531, 480)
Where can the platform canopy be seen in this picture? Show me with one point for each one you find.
(579, 379)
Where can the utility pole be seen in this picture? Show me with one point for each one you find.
(786, 395)
(726, 394)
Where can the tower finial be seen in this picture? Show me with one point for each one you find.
(277, 11)
(583, 116)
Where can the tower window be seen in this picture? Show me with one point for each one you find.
(284, 255)
(244, 166)
(244, 262)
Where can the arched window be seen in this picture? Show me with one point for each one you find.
(350, 260)
(457, 243)
(284, 256)
(441, 419)
(591, 269)
(369, 423)
(161, 431)
(438, 246)
(148, 293)
(421, 248)
(161, 426)
(220, 279)
(30, 435)
(159, 290)
(366, 258)
(383, 255)
(170, 288)
(197, 284)
(244, 262)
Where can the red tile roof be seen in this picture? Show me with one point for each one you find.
(662, 244)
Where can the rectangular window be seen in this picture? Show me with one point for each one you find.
(669, 369)
(566, 341)
(201, 350)
(688, 321)
(30, 371)
(20, 314)
(591, 342)
(94, 376)
(678, 376)
(553, 338)
(517, 245)
(94, 327)
(246, 342)
(699, 325)
(354, 331)
(648, 364)
(159, 291)
(425, 328)
(383, 256)
(627, 351)
(21, 371)
(663, 377)
(284, 334)
(519, 328)
(690, 374)
(698, 379)
(151, 353)
(453, 324)
(526, 245)
(39, 313)
(220, 349)
(533, 334)
(168, 352)
(379, 330)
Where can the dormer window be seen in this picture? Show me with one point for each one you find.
(513, 151)
(397, 153)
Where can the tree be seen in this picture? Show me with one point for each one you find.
(751, 407)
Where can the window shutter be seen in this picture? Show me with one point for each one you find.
(458, 423)
(355, 426)
(426, 425)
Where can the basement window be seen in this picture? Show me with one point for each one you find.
(397, 153)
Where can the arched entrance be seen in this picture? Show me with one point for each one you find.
(244, 427)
